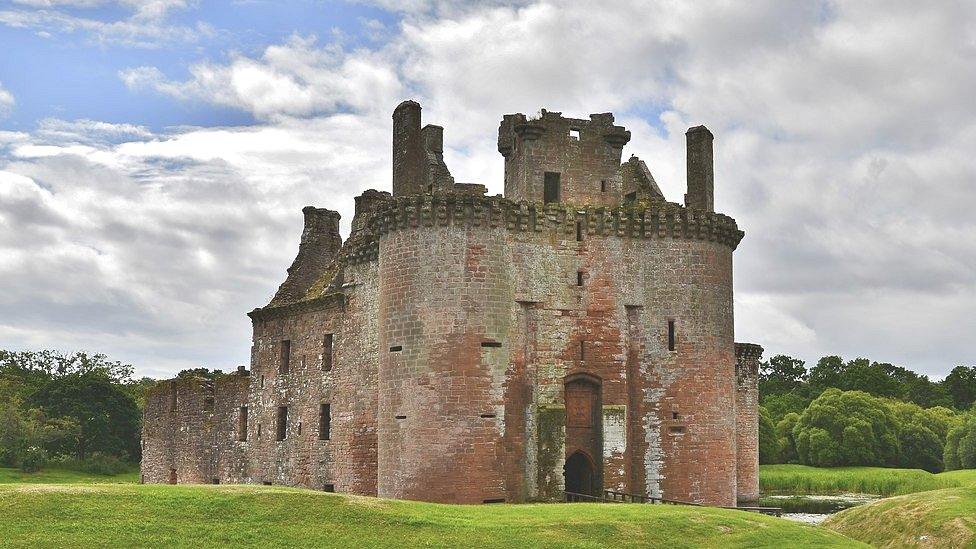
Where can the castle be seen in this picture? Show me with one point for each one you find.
(574, 335)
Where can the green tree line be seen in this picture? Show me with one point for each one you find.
(861, 412)
(80, 409)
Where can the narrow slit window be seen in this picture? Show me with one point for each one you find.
(603, 186)
(396, 348)
(550, 187)
(579, 231)
(582, 350)
(299, 428)
(284, 356)
(491, 343)
(282, 424)
(400, 417)
(670, 335)
(242, 424)
(579, 278)
(262, 382)
(487, 416)
(327, 352)
(325, 421)
(259, 431)
(674, 415)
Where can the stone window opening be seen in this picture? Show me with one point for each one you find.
(579, 231)
(259, 431)
(674, 414)
(215, 480)
(489, 343)
(400, 417)
(550, 191)
(574, 133)
(671, 335)
(282, 423)
(329, 488)
(242, 424)
(327, 341)
(579, 278)
(494, 500)
(299, 432)
(262, 382)
(396, 348)
(284, 356)
(325, 421)
(603, 186)
(487, 416)
(266, 483)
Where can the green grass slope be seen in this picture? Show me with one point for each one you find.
(802, 479)
(939, 518)
(64, 476)
(120, 515)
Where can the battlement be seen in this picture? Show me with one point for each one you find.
(647, 219)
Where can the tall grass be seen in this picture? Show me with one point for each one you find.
(801, 479)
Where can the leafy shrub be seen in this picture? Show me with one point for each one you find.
(847, 428)
(768, 448)
(31, 459)
(96, 464)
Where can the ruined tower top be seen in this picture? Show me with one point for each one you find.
(556, 159)
(418, 154)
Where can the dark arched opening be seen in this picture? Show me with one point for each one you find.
(579, 474)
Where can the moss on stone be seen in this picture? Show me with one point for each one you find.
(552, 445)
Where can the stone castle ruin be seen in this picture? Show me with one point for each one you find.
(574, 335)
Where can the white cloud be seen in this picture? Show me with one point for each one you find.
(843, 148)
(6, 101)
(145, 27)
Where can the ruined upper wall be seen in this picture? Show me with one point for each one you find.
(581, 158)
(418, 154)
(319, 246)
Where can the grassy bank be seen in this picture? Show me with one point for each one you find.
(261, 516)
(65, 476)
(801, 479)
(940, 518)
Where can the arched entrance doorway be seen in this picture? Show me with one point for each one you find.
(579, 474)
(584, 434)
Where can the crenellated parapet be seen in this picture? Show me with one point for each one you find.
(654, 219)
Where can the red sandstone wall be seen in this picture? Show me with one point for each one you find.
(747, 420)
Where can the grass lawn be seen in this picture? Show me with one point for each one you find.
(801, 479)
(65, 476)
(939, 518)
(121, 515)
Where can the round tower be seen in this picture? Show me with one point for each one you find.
(444, 313)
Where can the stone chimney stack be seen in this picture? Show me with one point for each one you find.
(408, 150)
(701, 177)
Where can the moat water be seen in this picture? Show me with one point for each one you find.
(814, 509)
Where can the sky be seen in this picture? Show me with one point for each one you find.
(155, 154)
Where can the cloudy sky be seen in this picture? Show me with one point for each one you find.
(155, 154)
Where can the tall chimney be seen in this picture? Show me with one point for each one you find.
(701, 177)
(408, 150)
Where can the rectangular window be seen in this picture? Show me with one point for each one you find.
(259, 431)
(670, 335)
(329, 488)
(551, 187)
(284, 356)
(325, 421)
(491, 343)
(282, 425)
(242, 424)
(327, 352)
(396, 348)
(262, 382)
(579, 231)
(579, 278)
(603, 186)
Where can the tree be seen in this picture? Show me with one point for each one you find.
(768, 449)
(785, 439)
(960, 448)
(960, 384)
(826, 374)
(847, 428)
(779, 406)
(782, 374)
(108, 417)
(926, 393)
